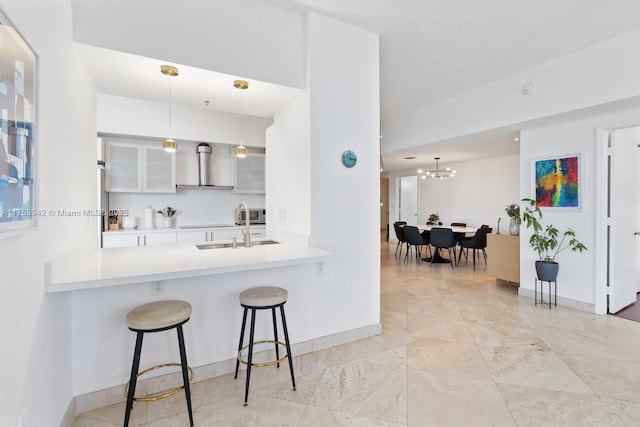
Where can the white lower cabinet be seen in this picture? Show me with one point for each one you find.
(119, 239)
(113, 240)
(228, 234)
(199, 236)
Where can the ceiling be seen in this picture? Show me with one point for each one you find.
(434, 49)
(133, 76)
(429, 50)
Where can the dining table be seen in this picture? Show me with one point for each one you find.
(437, 258)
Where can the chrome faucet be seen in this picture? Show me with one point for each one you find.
(246, 235)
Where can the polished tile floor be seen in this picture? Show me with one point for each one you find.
(457, 349)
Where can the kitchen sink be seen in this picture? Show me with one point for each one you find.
(221, 245)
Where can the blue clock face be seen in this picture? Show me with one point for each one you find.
(349, 159)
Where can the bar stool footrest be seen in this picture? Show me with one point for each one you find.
(161, 395)
(271, 363)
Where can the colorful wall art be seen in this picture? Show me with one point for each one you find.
(17, 127)
(557, 182)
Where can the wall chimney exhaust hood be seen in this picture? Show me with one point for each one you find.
(204, 187)
(204, 152)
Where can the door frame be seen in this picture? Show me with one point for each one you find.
(601, 219)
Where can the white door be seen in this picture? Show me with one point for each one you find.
(409, 200)
(623, 219)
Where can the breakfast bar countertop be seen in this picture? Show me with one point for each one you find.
(94, 268)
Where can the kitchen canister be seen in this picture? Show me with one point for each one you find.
(149, 214)
(129, 222)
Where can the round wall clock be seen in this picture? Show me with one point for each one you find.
(349, 159)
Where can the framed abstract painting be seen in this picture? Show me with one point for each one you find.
(557, 182)
(18, 97)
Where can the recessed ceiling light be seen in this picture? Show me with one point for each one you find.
(410, 158)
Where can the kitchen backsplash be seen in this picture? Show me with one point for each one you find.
(193, 206)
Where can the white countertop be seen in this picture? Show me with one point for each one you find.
(93, 268)
(179, 228)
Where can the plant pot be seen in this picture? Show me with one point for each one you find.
(547, 271)
(514, 227)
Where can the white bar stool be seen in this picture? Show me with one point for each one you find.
(156, 317)
(263, 298)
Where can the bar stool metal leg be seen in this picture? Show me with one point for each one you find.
(134, 377)
(250, 356)
(286, 341)
(185, 372)
(244, 322)
(275, 334)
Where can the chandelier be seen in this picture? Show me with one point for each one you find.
(437, 172)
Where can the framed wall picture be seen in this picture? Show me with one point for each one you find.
(18, 97)
(557, 182)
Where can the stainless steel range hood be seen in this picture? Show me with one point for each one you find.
(204, 152)
(204, 187)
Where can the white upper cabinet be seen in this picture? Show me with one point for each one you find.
(123, 163)
(249, 174)
(158, 170)
(136, 168)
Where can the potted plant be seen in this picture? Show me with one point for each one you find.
(513, 212)
(547, 241)
(434, 218)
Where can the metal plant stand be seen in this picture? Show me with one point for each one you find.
(555, 292)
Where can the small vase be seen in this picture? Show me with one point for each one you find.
(514, 227)
(167, 221)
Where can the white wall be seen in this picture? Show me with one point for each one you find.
(477, 195)
(344, 92)
(288, 168)
(36, 356)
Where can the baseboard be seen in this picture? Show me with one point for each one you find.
(101, 398)
(564, 302)
(70, 415)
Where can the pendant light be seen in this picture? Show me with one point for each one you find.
(169, 145)
(241, 150)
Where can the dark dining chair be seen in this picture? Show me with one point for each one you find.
(442, 238)
(477, 243)
(398, 226)
(415, 240)
(458, 236)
